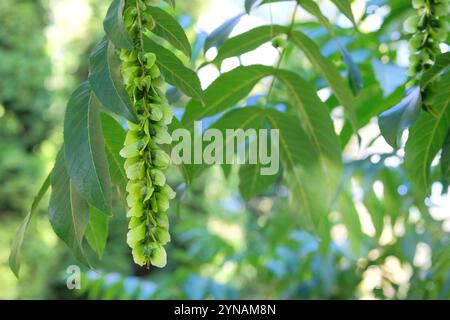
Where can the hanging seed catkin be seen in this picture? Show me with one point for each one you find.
(148, 194)
(428, 28)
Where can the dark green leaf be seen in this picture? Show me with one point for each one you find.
(402, 116)
(97, 231)
(219, 35)
(168, 28)
(16, 248)
(296, 148)
(354, 74)
(114, 138)
(329, 72)
(174, 71)
(252, 183)
(302, 174)
(226, 91)
(84, 148)
(426, 138)
(317, 123)
(115, 28)
(68, 212)
(248, 41)
(107, 83)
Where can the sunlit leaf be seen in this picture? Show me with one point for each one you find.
(169, 29)
(248, 41)
(226, 91)
(174, 71)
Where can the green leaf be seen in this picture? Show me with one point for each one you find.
(16, 248)
(317, 123)
(84, 148)
(107, 83)
(68, 212)
(441, 65)
(426, 138)
(115, 28)
(174, 71)
(445, 158)
(312, 7)
(114, 138)
(169, 29)
(329, 72)
(252, 183)
(303, 178)
(395, 120)
(296, 148)
(350, 218)
(97, 231)
(249, 5)
(354, 74)
(226, 91)
(346, 9)
(248, 41)
(219, 35)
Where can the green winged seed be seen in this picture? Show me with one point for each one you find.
(132, 150)
(161, 159)
(139, 255)
(156, 114)
(136, 171)
(136, 211)
(162, 219)
(136, 235)
(162, 136)
(158, 177)
(163, 202)
(132, 137)
(150, 59)
(155, 72)
(149, 193)
(158, 257)
(135, 222)
(167, 114)
(162, 235)
(168, 191)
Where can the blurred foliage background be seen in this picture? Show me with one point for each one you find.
(222, 247)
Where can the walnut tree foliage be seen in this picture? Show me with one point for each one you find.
(117, 125)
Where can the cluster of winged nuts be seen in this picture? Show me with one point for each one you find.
(429, 27)
(148, 194)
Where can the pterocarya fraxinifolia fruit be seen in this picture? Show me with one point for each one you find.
(148, 194)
